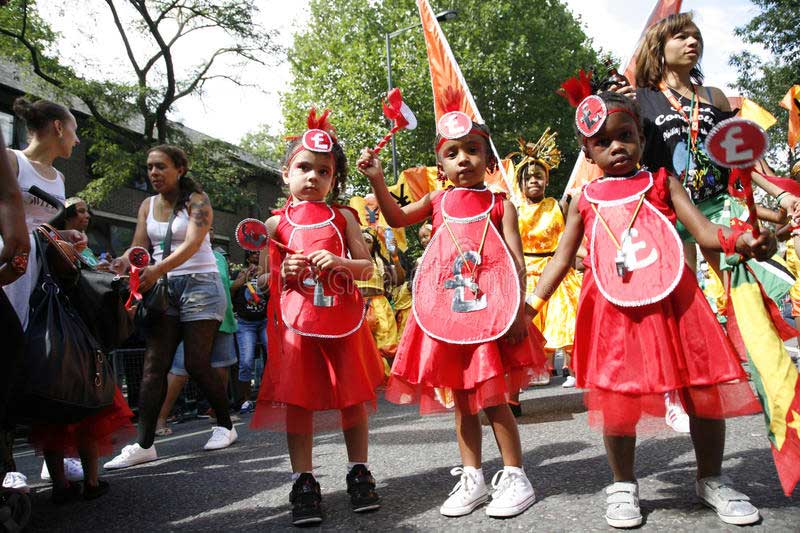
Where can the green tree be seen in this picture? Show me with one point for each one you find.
(514, 55)
(130, 114)
(766, 82)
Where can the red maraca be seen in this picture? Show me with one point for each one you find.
(139, 258)
(253, 236)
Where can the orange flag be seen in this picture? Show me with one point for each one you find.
(583, 171)
(791, 102)
(750, 110)
(445, 73)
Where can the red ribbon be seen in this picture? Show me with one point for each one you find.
(392, 109)
(743, 175)
(135, 296)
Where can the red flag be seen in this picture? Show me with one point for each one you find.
(583, 171)
(445, 73)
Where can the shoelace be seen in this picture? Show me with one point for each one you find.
(466, 481)
(503, 481)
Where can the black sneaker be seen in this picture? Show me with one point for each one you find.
(361, 488)
(306, 500)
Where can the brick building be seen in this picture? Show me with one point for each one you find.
(113, 221)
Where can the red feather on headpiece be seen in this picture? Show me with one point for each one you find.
(451, 100)
(575, 89)
(315, 122)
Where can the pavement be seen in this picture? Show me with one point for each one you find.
(246, 487)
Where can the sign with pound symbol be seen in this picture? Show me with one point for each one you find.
(460, 282)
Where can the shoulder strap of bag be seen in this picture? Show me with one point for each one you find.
(167, 248)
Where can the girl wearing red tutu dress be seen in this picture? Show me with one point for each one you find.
(644, 327)
(467, 343)
(322, 358)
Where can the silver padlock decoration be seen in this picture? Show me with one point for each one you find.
(320, 299)
(619, 261)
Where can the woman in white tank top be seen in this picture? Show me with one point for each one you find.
(52, 129)
(197, 300)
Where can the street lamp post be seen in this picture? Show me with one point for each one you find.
(441, 17)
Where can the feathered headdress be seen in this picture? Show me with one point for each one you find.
(544, 151)
(576, 88)
(314, 122)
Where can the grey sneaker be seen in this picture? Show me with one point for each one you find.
(732, 506)
(622, 505)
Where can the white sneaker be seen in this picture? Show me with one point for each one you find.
(732, 506)
(16, 481)
(541, 379)
(569, 382)
(512, 494)
(221, 438)
(131, 455)
(73, 470)
(676, 416)
(622, 505)
(469, 493)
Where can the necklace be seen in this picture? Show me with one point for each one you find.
(622, 267)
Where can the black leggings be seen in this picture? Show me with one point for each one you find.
(161, 342)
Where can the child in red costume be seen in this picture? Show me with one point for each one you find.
(644, 327)
(322, 358)
(467, 343)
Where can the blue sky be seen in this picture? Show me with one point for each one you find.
(227, 112)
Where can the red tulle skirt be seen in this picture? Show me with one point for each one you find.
(428, 371)
(629, 357)
(108, 427)
(335, 379)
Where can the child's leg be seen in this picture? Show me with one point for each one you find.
(621, 452)
(300, 438)
(356, 437)
(468, 431)
(708, 437)
(506, 434)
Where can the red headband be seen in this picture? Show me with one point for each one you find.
(592, 113)
(317, 138)
(455, 125)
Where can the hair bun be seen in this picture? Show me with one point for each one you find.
(24, 109)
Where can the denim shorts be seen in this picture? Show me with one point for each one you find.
(197, 297)
(223, 354)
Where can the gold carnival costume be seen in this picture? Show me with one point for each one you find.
(541, 226)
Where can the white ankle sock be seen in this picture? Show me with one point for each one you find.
(473, 471)
(296, 475)
(351, 465)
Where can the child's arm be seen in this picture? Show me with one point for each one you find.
(770, 215)
(563, 260)
(396, 216)
(706, 233)
(359, 263)
(519, 329)
(263, 259)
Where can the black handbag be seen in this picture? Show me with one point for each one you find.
(155, 302)
(66, 376)
(99, 297)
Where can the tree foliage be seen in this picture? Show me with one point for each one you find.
(766, 82)
(131, 112)
(514, 55)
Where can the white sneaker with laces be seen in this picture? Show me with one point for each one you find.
(732, 506)
(16, 481)
(468, 493)
(676, 416)
(221, 438)
(73, 470)
(512, 494)
(569, 382)
(131, 455)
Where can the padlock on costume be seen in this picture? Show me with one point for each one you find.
(619, 261)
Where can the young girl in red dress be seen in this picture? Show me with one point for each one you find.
(467, 343)
(322, 358)
(644, 327)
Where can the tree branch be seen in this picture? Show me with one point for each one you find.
(128, 49)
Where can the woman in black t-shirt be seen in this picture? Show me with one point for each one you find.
(250, 308)
(678, 112)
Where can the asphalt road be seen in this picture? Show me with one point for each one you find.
(246, 487)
